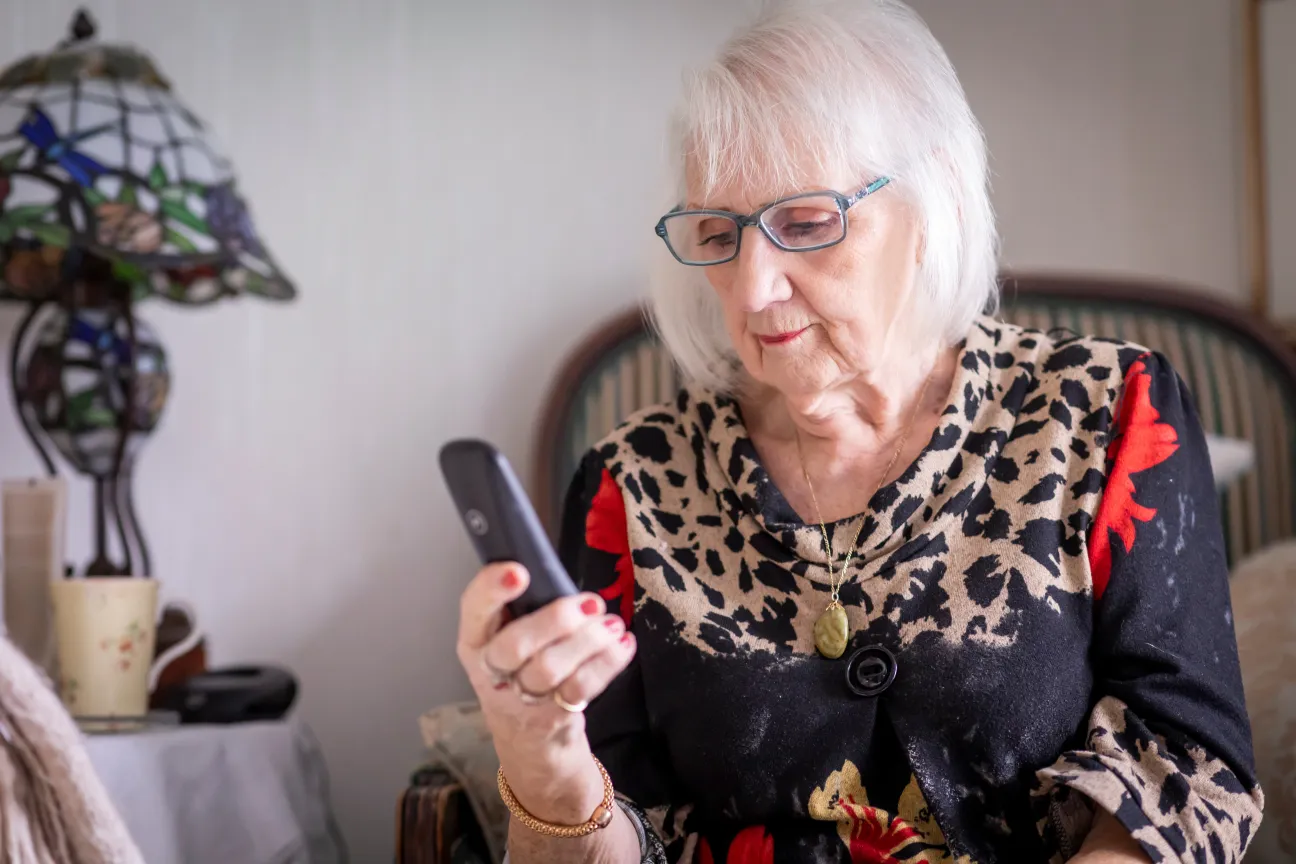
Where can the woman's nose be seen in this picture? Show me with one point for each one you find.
(759, 280)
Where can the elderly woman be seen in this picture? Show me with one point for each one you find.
(889, 580)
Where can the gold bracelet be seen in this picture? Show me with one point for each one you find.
(601, 819)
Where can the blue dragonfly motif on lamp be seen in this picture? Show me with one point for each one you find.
(39, 129)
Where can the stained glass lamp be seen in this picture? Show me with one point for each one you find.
(111, 192)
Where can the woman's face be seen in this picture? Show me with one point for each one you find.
(804, 322)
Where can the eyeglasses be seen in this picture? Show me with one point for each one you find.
(798, 223)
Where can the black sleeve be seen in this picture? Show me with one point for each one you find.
(594, 547)
(1168, 749)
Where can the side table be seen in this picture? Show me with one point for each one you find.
(255, 793)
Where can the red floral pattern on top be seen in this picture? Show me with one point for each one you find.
(752, 845)
(871, 834)
(875, 837)
(605, 530)
(1142, 441)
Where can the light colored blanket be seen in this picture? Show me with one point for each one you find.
(53, 807)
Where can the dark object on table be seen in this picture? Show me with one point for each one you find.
(236, 694)
(176, 626)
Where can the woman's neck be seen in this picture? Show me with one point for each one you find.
(849, 440)
(859, 417)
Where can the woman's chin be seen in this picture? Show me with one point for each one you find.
(791, 370)
(796, 382)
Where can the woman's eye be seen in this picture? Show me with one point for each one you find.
(809, 232)
(806, 227)
(721, 238)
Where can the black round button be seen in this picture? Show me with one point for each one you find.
(870, 670)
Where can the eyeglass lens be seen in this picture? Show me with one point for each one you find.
(802, 223)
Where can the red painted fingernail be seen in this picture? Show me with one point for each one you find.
(613, 624)
(511, 579)
(590, 606)
(628, 639)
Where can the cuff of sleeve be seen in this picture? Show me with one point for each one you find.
(1139, 800)
(1072, 787)
(651, 848)
(1176, 799)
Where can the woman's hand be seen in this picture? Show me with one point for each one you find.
(570, 648)
(1109, 843)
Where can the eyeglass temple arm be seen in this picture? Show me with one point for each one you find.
(868, 190)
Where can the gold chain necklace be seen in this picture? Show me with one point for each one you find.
(832, 629)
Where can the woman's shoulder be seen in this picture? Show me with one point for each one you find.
(652, 447)
(1071, 366)
(657, 433)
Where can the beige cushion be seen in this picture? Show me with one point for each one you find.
(1264, 612)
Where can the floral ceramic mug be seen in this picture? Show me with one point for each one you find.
(106, 628)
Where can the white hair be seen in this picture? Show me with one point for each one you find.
(820, 88)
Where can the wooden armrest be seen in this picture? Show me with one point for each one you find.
(435, 823)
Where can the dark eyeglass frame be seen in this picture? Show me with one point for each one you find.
(844, 203)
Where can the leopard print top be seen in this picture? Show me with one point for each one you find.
(1048, 582)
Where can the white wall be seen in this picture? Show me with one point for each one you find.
(1112, 128)
(463, 189)
(1279, 33)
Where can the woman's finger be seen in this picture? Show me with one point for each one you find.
(515, 643)
(481, 607)
(594, 676)
(554, 663)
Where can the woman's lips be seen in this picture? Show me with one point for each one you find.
(781, 338)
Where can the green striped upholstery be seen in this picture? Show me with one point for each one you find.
(1243, 388)
(633, 373)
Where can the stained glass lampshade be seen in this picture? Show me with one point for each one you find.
(98, 155)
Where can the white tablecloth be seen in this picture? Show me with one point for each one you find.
(251, 793)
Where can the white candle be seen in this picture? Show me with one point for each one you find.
(35, 525)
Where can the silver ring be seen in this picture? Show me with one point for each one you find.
(498, 677)
(525, 696)
(569, 707)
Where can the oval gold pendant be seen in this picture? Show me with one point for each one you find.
(830, 632)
